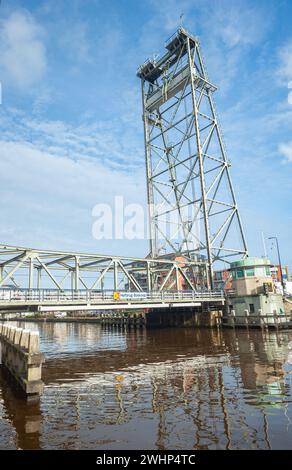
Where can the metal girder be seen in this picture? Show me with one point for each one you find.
(188, 174)
(49, 273)
(15, 267)
(193, 212)
(30, 268)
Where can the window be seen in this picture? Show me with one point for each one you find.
(251, 308)
(240, 273)
(249, 272)
(268, 271)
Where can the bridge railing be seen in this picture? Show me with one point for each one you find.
(88, 296)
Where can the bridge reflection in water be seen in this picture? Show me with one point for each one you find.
(165, 389)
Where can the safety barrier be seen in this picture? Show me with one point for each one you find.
(55, 295)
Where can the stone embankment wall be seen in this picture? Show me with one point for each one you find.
(20, 355)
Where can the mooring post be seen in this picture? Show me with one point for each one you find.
(232, 315)
(261, 317)
(276, 320)
(246, 317)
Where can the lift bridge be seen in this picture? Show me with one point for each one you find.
(194, 219)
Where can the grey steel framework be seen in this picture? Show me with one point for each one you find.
(192, 205)
(43, 300)
(187, 176)
(31, 268)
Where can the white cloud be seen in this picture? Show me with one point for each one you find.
(285, 66)
(171, 11)
(75, 41)
(22, 51)
(286, 151)
(227, 31)
(237, 23)
(117, 143)
(47, 199)
(42, 99)
(53, 174)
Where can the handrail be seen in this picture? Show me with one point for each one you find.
(89, 296)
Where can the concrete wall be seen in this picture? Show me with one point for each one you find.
(268, 304)
(21, 357)
(267, 310)
(183, 317)
(250, 286)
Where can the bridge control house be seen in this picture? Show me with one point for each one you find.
(253, 294)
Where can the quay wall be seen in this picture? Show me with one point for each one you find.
(20, 355)
(200, 317)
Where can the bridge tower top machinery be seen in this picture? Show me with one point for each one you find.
(192, 205)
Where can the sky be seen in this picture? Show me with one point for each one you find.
(71, 131)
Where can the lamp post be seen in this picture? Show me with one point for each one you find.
(279, 260)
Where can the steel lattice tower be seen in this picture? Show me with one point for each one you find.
(192, 205)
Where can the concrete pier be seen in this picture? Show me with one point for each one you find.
(21, 357)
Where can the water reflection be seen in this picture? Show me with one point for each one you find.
(20, 424)
(165, 389)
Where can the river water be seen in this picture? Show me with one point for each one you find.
(154, 389)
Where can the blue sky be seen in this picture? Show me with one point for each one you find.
(71, 132)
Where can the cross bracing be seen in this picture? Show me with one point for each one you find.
(192, 205)
(30, 268)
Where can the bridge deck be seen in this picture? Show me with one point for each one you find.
(49, 300)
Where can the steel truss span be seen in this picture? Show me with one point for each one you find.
(192, 205)
(49, 300)
(28, 268)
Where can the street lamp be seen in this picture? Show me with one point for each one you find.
(279, 260)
